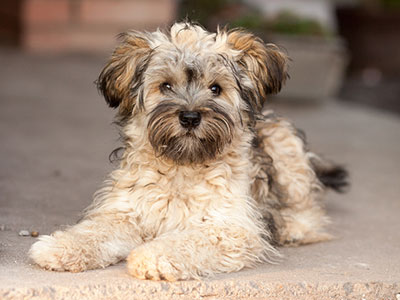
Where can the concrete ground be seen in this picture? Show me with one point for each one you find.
(55, 137)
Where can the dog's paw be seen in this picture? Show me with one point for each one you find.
(295, 236)
(52, 255)
(304, 227)
(152, 262)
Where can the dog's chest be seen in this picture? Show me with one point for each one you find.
(165, 200)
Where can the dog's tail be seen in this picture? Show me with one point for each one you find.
(329, 174)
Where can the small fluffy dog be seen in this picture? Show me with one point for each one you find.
(206, 182)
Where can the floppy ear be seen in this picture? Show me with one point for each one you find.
(264, 64)
(121, 78)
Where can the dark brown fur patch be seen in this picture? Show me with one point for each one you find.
(183, 146)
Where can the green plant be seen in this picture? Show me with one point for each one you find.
(289, 23)
(252, 21)
(284, 23)
(201, 10)
(391, 3)
(379, 4)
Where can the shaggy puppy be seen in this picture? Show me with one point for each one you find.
(206, 182)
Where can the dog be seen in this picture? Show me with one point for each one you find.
(207, 182)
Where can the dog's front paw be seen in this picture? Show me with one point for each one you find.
(50, 254)
(153, 262)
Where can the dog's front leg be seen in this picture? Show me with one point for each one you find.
(95, 242)
(197, 252)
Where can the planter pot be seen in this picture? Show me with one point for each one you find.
(316, 69)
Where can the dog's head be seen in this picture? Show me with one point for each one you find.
(193, 89)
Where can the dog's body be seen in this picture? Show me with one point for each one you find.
(206, 183)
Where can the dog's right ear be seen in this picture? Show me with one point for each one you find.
(121, 78)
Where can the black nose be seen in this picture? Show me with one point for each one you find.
(189, 119)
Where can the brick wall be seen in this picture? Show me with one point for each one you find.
(84, 25)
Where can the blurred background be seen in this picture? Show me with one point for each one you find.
(348, 49)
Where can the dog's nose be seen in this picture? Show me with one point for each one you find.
(189, 119)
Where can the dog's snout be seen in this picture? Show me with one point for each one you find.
(189, 119)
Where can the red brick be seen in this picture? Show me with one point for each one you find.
(75, 38)
(92, 41)
(35, 40)
(128, 12)
(94, 24)
(69, 38)
(45, 12)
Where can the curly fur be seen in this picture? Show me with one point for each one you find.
(191, 202)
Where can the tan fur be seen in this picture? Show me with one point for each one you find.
(294, 203)
(186, 203)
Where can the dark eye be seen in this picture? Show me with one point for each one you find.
(215, 89)
(166, 86)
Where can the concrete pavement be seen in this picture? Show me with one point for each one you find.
(56, 135)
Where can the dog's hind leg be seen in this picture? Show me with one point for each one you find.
(292, 183)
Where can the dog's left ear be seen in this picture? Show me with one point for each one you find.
(120, 79)
(265, 64)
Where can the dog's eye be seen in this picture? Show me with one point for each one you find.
(166, 86)
(215, 89)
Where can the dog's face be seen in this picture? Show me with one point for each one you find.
(194, 90)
